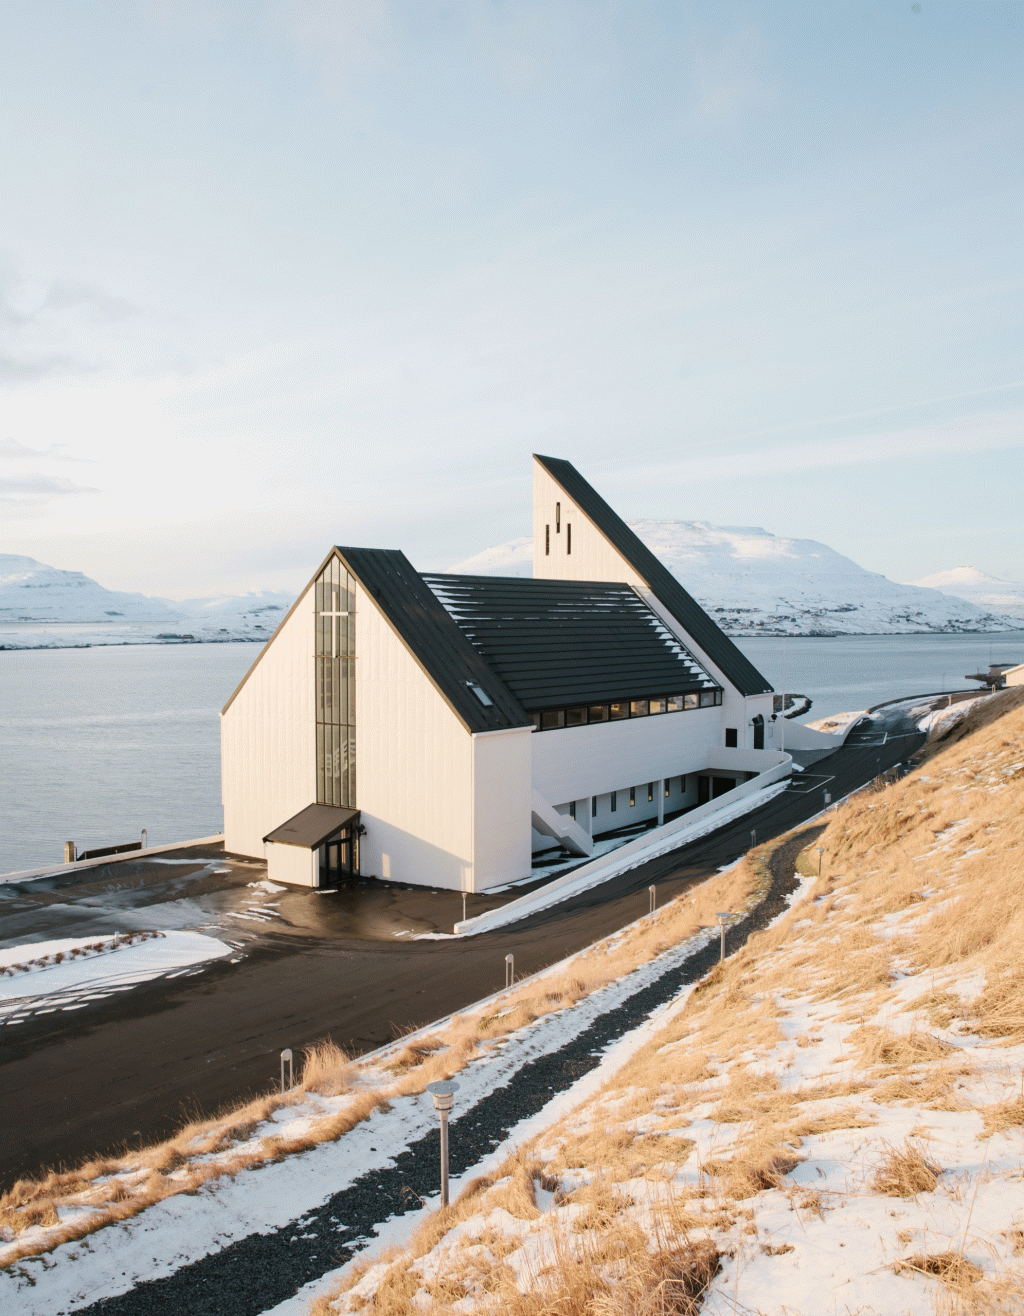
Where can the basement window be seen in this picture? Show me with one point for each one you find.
(732, 738)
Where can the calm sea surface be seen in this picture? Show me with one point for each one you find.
(96, 744)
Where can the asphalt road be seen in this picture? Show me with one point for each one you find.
(134, 1068)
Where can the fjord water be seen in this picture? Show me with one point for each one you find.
(97, 743)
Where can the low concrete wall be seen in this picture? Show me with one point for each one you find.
(131, 856)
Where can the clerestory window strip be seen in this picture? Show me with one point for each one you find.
(558, 719)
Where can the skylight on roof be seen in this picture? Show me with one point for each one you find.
(481, 694)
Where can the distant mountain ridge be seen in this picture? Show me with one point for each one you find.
(751, 581)
(48, 607)
(755, 583)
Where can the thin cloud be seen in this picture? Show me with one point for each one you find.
(12, 450)
(35, 486)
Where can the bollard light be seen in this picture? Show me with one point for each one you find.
(145, 839)
(510, 970)
(828, 798)
(821, 851)
(443, 1092)
(286, 1054)
(721, 924)
(753, 837)
(652, 891)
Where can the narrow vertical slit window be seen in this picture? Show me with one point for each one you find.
(547, 540)
(568, 536)
(335, 687)
(614, 797)
(593, 806)
(572, 810)
(558, 518)
(650, 792)
(632, 796)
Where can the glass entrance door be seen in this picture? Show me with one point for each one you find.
(339, 859)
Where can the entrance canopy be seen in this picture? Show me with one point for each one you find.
(314, 825)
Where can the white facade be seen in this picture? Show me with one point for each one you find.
(442, 801)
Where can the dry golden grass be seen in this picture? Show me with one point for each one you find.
(905, 1172)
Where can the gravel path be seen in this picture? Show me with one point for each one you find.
(258, 1272)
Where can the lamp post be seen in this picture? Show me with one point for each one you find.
(722, 916)
(443, 1093)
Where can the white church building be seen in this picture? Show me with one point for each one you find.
(442, 730)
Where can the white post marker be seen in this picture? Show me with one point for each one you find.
(821, 851)
(510, 970)
(722, 916)
(652, 891)
(443, 1093)
(286, 1054)
(753, 837)
(463, 906)
(145, 839)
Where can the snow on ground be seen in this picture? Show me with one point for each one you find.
(837, 1115)
(61, 971)
(978, 587)
(755, 583)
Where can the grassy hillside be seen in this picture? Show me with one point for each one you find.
(833, 1120)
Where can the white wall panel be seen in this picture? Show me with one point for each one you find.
(292, 864)
(593, 760)
(501, 803)
(414, 764)
(268, 737)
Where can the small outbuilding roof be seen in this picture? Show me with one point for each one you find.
(556, 643)
(312, 826)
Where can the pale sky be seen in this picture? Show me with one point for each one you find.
(278, 274)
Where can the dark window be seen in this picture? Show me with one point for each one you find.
(614, 797)
(632, 796)
(722, 786)
(707, 699)
(616, 711)
(668, 786)
(550, 721)
(732, 738)
(638, 708)
(657, 705)
(575, 717)
(599, 712)
(558, 518)
(691, 701)
(572, 810)
(593, 806)
(759, 732)
(547, 540)
(535, 719)
(675, 703)
(568, 536)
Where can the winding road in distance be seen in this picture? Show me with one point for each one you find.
(132, 1069)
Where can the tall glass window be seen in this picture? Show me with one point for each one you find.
(335, 687)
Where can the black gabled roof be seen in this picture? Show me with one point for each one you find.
(556, 643)
(687, 611)
(434, 640)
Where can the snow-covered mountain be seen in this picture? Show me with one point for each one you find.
(47, 607)
(756, 583)
(1004, 596)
